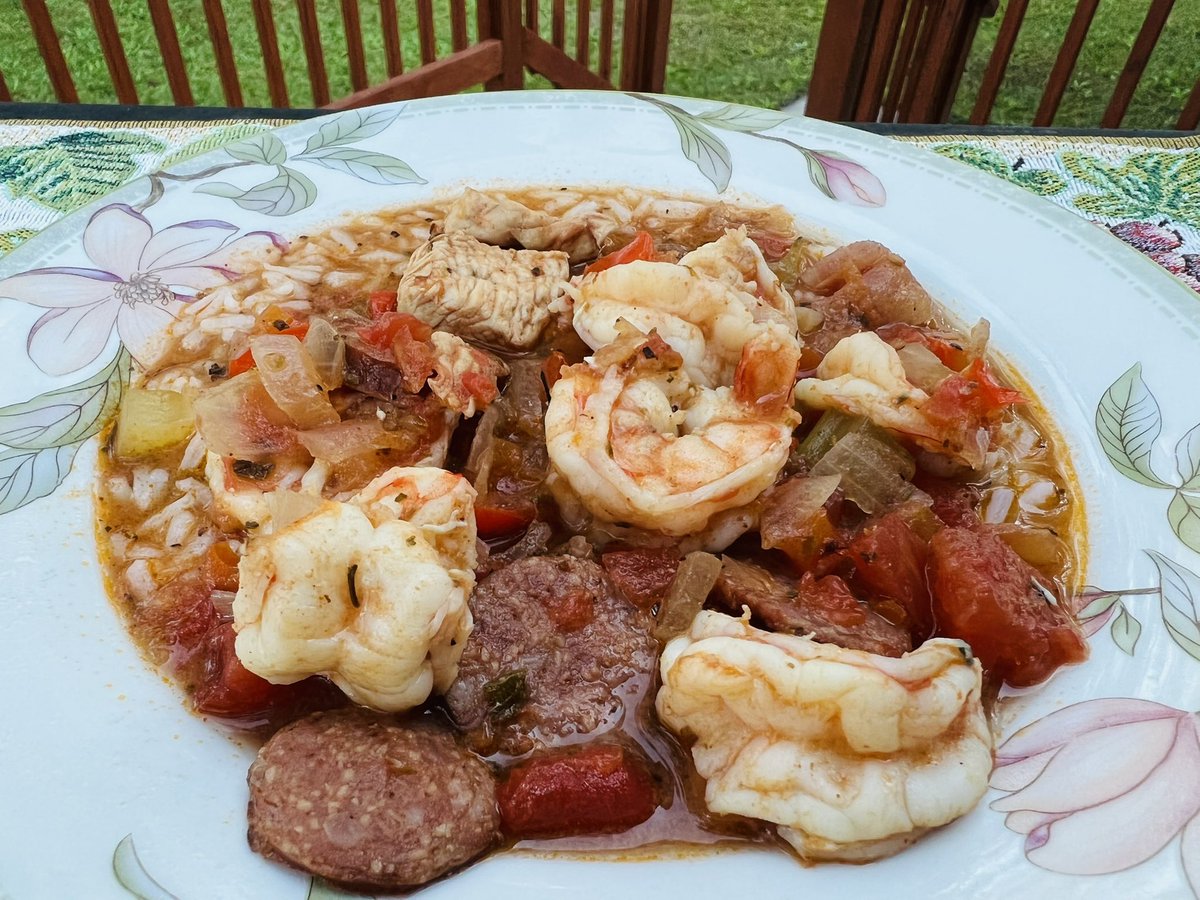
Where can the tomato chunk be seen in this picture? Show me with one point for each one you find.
(643, 575)
(243, 363)
(985, 594)
(382, 332)
(499, 514)
(889, 564)
(641, 247)
(380, 302)
(601, 788)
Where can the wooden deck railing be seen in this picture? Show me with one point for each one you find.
(902, 61)
(508, 40)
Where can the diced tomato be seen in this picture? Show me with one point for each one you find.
(380, 302)
(230, 690)
(973, 396)
(830, 598)
(480, 387)
(414, 357)
(889, 561)
(297, 331)
(641, 247)
(986, 595)
(552, 368)
(601, 788)
(643, 575)
(381, 333)
(243, 363)
(497, 515)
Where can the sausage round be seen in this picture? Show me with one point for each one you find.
(556, 651)
(363, 801)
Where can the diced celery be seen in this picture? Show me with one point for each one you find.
(874, 470)
(151, 421)
(832, 425)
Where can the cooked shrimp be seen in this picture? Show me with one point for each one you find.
(852, 755)
(638, 442)
(356, 592)
(863, 375)
(707, 308)
(440, 503)
(243, 504)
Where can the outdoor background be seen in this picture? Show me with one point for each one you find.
(758, 52)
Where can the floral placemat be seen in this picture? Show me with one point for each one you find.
(1144, 190)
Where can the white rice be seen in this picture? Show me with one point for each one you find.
(148, 486)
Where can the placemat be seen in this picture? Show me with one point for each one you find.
(1146, 191)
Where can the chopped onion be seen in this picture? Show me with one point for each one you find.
(291, 378)
(789, 510)
(874, 469)
(922, 367)
(150, 421)
(238, 418)
(693, 581)
(346, 440)
(327, 349)
(289, 506)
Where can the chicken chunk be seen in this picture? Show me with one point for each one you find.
(498, 220)
(852, 755)
(375, 602)
(487, 293)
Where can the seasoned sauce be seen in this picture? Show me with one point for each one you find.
(172, 551)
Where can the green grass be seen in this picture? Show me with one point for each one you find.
(758, 52)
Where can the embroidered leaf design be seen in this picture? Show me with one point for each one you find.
(68, 415)
(350, 127)
(11, 240)
(1183, 513)
(1128, 421)
(1187, 459)
(699, 145)
(1180, 590)
(27, 475)
(377, 168)
(263, 148)
(212, 139)
(1151, 185)
(133, 875)
(1043, 182)
(65, 172)
(288, 192)
(1126, 630)
(735, 117)
(1189, 848)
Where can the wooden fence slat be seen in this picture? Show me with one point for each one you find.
(268, 43)
(355, 59)
(5, 95)
(482, 62)
(558, 68)
(459, 40)
(654, 51)
(426, 29)
(1189, 118)
(839, 64)
(1068, 55)
(908, 94)
(993, 75)
(606, 39)
(936, 75)
(51, 51)
(391, 37)
(879, 61)
(1139, 55)
(168, 46)
(583, 32)
(114, 51)
(501, 20)
(218, 34)
(558, 24)
(531, 15)
(310, 32)
(902, 64)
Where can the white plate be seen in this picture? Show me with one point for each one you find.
(95, 746)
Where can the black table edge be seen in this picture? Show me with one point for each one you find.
(114, 112)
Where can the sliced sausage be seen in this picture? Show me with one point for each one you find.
(364, 801)
(554, 653)
(821, 607)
